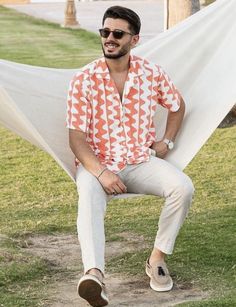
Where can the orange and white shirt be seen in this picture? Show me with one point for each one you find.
(120, 132)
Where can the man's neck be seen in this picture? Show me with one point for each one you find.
(118, 65)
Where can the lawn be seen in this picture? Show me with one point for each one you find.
(38, 197)
(32, 41)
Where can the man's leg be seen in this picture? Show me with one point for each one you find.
(158, 177)
(90, 226)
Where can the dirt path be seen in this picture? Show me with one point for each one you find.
(63, 251)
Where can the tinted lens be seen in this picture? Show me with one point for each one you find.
(118, 34)
(104, 33)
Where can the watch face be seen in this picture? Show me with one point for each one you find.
(171, 145)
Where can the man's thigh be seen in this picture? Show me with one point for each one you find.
(154, 177)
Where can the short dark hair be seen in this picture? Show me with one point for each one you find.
(120, 12)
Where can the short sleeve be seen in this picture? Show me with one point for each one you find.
(167, 94)
(78, 104)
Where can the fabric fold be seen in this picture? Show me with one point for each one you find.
(199, 56)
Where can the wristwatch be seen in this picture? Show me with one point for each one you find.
(169, 143)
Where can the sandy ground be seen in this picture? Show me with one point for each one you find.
(64, 253)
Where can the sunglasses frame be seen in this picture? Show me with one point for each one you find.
(114, 33)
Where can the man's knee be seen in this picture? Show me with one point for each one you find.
(185, 188)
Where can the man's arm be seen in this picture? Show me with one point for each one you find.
(174, 121)
(84, 153)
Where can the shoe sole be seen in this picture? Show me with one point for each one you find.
(162, 289)
(90, 290)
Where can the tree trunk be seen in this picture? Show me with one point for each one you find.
(178, 10)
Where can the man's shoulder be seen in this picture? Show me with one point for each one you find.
(146, 65)
(88, 69)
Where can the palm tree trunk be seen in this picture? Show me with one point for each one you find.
(178, 10)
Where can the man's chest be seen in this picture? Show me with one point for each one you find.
(121, 91)
(135, 105)
(119, 81)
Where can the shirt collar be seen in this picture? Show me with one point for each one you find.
(135, 66)
(102, 72)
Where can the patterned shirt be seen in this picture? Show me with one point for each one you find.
(120, 131)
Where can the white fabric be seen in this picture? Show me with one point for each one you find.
(155, 177)
(198, 54)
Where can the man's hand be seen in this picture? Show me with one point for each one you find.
(112, 183)
(160, 148)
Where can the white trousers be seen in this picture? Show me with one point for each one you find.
(155, 177)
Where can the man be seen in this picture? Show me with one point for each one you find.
(111, 104)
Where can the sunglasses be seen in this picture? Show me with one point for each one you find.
(117, 34)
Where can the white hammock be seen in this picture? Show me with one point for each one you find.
(199, 54)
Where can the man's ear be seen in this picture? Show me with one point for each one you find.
(135, 40)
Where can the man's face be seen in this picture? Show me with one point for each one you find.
(114, 48)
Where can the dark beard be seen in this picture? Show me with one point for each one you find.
(121, 53)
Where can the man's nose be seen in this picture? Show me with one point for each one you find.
(111, 33)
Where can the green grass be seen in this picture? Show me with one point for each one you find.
(22, 277)
(42, 195)
(38, 197)
(207, 2)
(32, 41)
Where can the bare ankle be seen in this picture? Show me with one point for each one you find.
(156, 255)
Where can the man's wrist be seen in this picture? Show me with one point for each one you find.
(101, 172)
